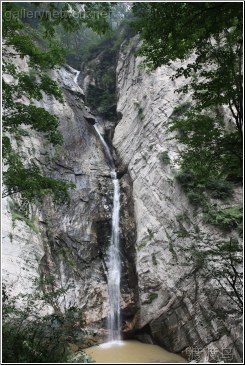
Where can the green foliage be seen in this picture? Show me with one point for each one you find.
(221, 261)
(210, 151)
(210, 157)
(182, 232)
(31, 183)
(196, 198)
(102, 101)
(192, 187)
(35, 38)
(214, 32)
(18, 134)
(213, 152)
(43, 52)
(84, 44)
(67, 253)
(180, 110)
(227, 218)
(183, 217)
(32, 338)
(141, 114)
(164, 30)
(142, 244)
(101, 60)
(220, 189)
(37, 118)
(151, 297)
(164, 157)
(171, 248)
(199, 193)
(102, 96)
(30, 222)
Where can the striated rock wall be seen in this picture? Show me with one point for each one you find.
(168, 298)
(181, 308)
(64, 247)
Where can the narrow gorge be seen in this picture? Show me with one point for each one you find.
(134, 255)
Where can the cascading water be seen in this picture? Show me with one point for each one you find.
(114, 263)
(114, 269)
(114, 274)
(76, 77)
(107, 150)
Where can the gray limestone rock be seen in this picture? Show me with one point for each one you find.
(167, 296)
(182, 306)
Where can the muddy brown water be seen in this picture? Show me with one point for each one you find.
(131, 352)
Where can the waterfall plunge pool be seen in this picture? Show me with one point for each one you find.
(131, 351)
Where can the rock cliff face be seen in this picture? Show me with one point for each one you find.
(168, 297)
(180, 308)
(65, 247)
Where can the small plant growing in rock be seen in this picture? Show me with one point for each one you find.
(141, 114)
(220, 189)
(227, 218)
(181, 109)
(30, 222)
(164, 157)
(151, 298)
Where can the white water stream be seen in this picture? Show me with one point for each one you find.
(76, 77)
(117, 351)
(114, 265)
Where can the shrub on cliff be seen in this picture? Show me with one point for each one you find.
(30, 337)
(33, 36)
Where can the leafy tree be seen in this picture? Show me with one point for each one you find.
(102, 96)
(210, 163)
(78, 44)
(28, 335)
(221, 262)
(212, 34)
(31, 337)
(20, 176)
(211, 152)
(35, 39)
(213, 31)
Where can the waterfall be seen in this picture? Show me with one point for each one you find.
(114, 266)
(107, 152)
(114, 274)
(114, 263)
(76, 76)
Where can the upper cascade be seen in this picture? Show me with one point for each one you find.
(106, 148)
(113, 175)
